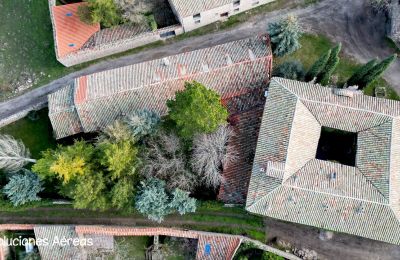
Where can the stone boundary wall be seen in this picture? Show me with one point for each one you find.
(104, 50)
(21, 114)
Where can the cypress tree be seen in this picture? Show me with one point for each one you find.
(361, 72)
(285, 35)
(377, 71)
(318, 66)
(330, 67)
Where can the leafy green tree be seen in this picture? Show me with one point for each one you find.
(182, 202)
(66, 162)
(122, 194)
(118, 157)
(325, 76)
(196, 110)
(117, 131)
(13, 154)
(104, 12)
(152, 200)
(376, 72)
(285, 35)
(318, 66)
(290, 70)
(361, 73)
(23, 188)
(143, 122)
(90, 192)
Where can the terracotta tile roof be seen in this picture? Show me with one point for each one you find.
(98, 99)
(213, 247)
(71, 32)
(245, 117)
(52, 250)
(289, 183)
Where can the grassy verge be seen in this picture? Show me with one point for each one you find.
(226, 220)
(313, 46)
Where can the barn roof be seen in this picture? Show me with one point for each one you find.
(51, 246)
(70, 32)
(289, 183)
(94, 101)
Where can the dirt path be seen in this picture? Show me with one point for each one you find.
(342, 246)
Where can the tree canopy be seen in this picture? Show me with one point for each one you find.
(285, 35)
(318, 66)
(196, 109)
(104, 12)
(23, 187)
(324, 76)
(13, 154)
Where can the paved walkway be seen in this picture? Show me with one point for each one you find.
(342, 20)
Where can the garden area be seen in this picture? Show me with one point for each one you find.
(150, 169)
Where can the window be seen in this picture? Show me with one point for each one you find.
(226, 14)
(236, 10)
(197, 21)
(337, 146)
(255, 2)
(236, 3)
(197, 16)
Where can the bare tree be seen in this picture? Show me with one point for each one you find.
(211, 153)
(163, 159)
(13, 154)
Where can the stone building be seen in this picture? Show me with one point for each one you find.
(94, 101)
(328, 158)
(193, 14)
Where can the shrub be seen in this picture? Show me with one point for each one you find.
(154, 201)
(196, 109)
(290, 70)
(23, 188)
(152, 22)
(285, 35)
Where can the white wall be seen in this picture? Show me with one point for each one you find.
(213, 15)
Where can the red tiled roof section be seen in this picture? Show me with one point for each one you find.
(71, 32)
(245, 117)
(216, 247)
(81, 91)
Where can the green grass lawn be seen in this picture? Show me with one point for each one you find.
(36, 135)
(313, 46)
